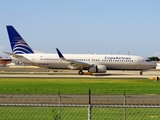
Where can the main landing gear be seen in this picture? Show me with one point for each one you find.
(80, 72)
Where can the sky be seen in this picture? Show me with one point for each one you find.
(84, 26)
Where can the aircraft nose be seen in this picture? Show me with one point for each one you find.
(154, 64)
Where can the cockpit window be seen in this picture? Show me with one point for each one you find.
(148, 60)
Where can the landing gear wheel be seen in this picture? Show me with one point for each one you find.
(141, 73)
(80, 72)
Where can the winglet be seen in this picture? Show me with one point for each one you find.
(60, 55)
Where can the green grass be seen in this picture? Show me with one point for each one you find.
(77, 113)
(78, 86)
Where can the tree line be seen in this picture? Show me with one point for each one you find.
(153, 58)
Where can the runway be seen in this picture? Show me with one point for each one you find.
(74, 74)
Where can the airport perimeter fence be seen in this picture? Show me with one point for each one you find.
(79, 107)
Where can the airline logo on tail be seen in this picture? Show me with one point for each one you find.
(18, 45)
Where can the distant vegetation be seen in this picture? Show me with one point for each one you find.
(153, 58)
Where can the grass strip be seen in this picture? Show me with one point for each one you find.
(77, 113)
(78, 86)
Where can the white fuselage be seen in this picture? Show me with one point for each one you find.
(123, 62)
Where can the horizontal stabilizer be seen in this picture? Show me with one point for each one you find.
(12, 54)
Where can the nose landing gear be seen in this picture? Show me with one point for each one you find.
(141, 73)
(80, 72)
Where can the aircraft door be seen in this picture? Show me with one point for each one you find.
(139, 62)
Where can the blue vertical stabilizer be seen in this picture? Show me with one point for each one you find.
(18, 45)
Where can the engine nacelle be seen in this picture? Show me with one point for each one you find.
(97, 69)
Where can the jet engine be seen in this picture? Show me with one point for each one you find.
(97, 69)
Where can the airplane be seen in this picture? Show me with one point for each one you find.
(94, 63)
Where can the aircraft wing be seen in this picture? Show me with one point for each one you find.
(77, 63)
(73, 63)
